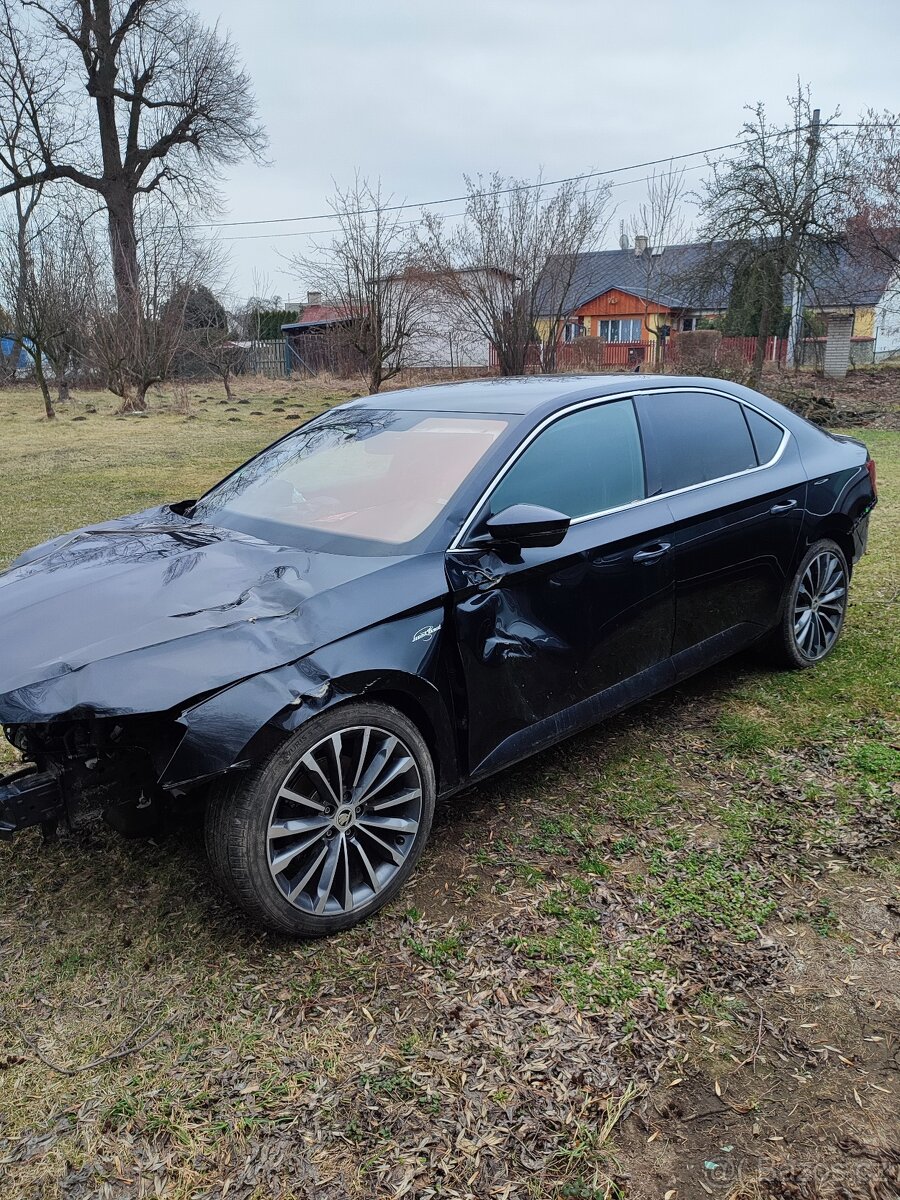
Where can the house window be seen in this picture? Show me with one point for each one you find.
(625, 330)
(573, 330)
(689, 324)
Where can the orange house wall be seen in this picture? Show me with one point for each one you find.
(619, 305)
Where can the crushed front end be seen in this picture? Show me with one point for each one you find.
(80, 768)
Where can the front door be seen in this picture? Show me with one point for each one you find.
(552, 639)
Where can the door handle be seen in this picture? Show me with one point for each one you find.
(652, 553)
(783, 506)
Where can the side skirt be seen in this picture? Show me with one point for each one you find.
(580, 716)
(521, 745)
(714, 649)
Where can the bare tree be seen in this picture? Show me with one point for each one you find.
(48, 264)
(124, 98)
(222, 357)
(28, 77)
(370, 274)
(782, 201)
(874, 231)
(512, 260)
(659, 222)
(211, 336)
(136, 349)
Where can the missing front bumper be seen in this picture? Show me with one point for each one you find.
(30, 798)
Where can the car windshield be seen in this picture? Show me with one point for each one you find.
(354, 480)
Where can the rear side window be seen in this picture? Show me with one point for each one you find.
(692, 437)
(766, 435)
(583, 463)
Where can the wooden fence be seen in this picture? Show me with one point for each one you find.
(266, 358)
(314, 353)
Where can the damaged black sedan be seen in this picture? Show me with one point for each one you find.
(406, 595)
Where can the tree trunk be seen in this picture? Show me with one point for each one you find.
(139, 399)
(134, 400)
(551, 348)
(119, 181)
(762, 336)
(62, 389)
(45, 390)
(123, 248)
(376, 377)
(23, 214)
(512, 356)
(227, 382)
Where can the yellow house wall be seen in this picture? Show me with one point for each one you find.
(863, 319)
(864, 322)
(655, 320)
(542, 325)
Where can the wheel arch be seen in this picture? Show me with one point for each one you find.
(412, 707)
(416, 698)
(837, 527)
(237, 728)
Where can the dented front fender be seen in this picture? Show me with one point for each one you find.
(399, 660)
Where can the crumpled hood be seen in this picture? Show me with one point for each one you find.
(141, 614)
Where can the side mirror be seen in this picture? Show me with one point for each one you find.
(528, 525)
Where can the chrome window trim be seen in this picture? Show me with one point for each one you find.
(629, 395)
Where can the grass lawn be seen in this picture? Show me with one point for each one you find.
(663, 958)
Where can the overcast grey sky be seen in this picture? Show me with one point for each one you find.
(420, 93)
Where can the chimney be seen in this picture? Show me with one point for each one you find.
(641, 242)
(313, 297)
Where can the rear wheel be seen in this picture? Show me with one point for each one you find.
(814, 608)
(330, 827)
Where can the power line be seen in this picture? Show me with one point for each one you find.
(251, 237)
(525, 187)
(504, 191)
(653, 162)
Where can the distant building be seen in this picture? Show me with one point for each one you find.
(312, 344)
(24, 360)
(638, 295)
(442, 338)
(445, 337)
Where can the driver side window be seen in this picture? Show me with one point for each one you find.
(583, 463)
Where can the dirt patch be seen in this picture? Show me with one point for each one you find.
(797, 1093)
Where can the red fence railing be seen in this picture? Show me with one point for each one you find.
(776, 348)
(590, 354)
(586, 355)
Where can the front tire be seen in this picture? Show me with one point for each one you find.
(329, 828)
(814, 608)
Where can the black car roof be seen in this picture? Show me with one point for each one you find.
(538, 395)
(515, 395)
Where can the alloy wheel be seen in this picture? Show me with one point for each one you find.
(344, 820)
(819, 605)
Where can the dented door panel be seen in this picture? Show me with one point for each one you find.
(544, 630)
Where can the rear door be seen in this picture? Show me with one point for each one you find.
(553, 638)
(736, 487)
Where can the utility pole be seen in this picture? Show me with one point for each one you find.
(796, 327)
